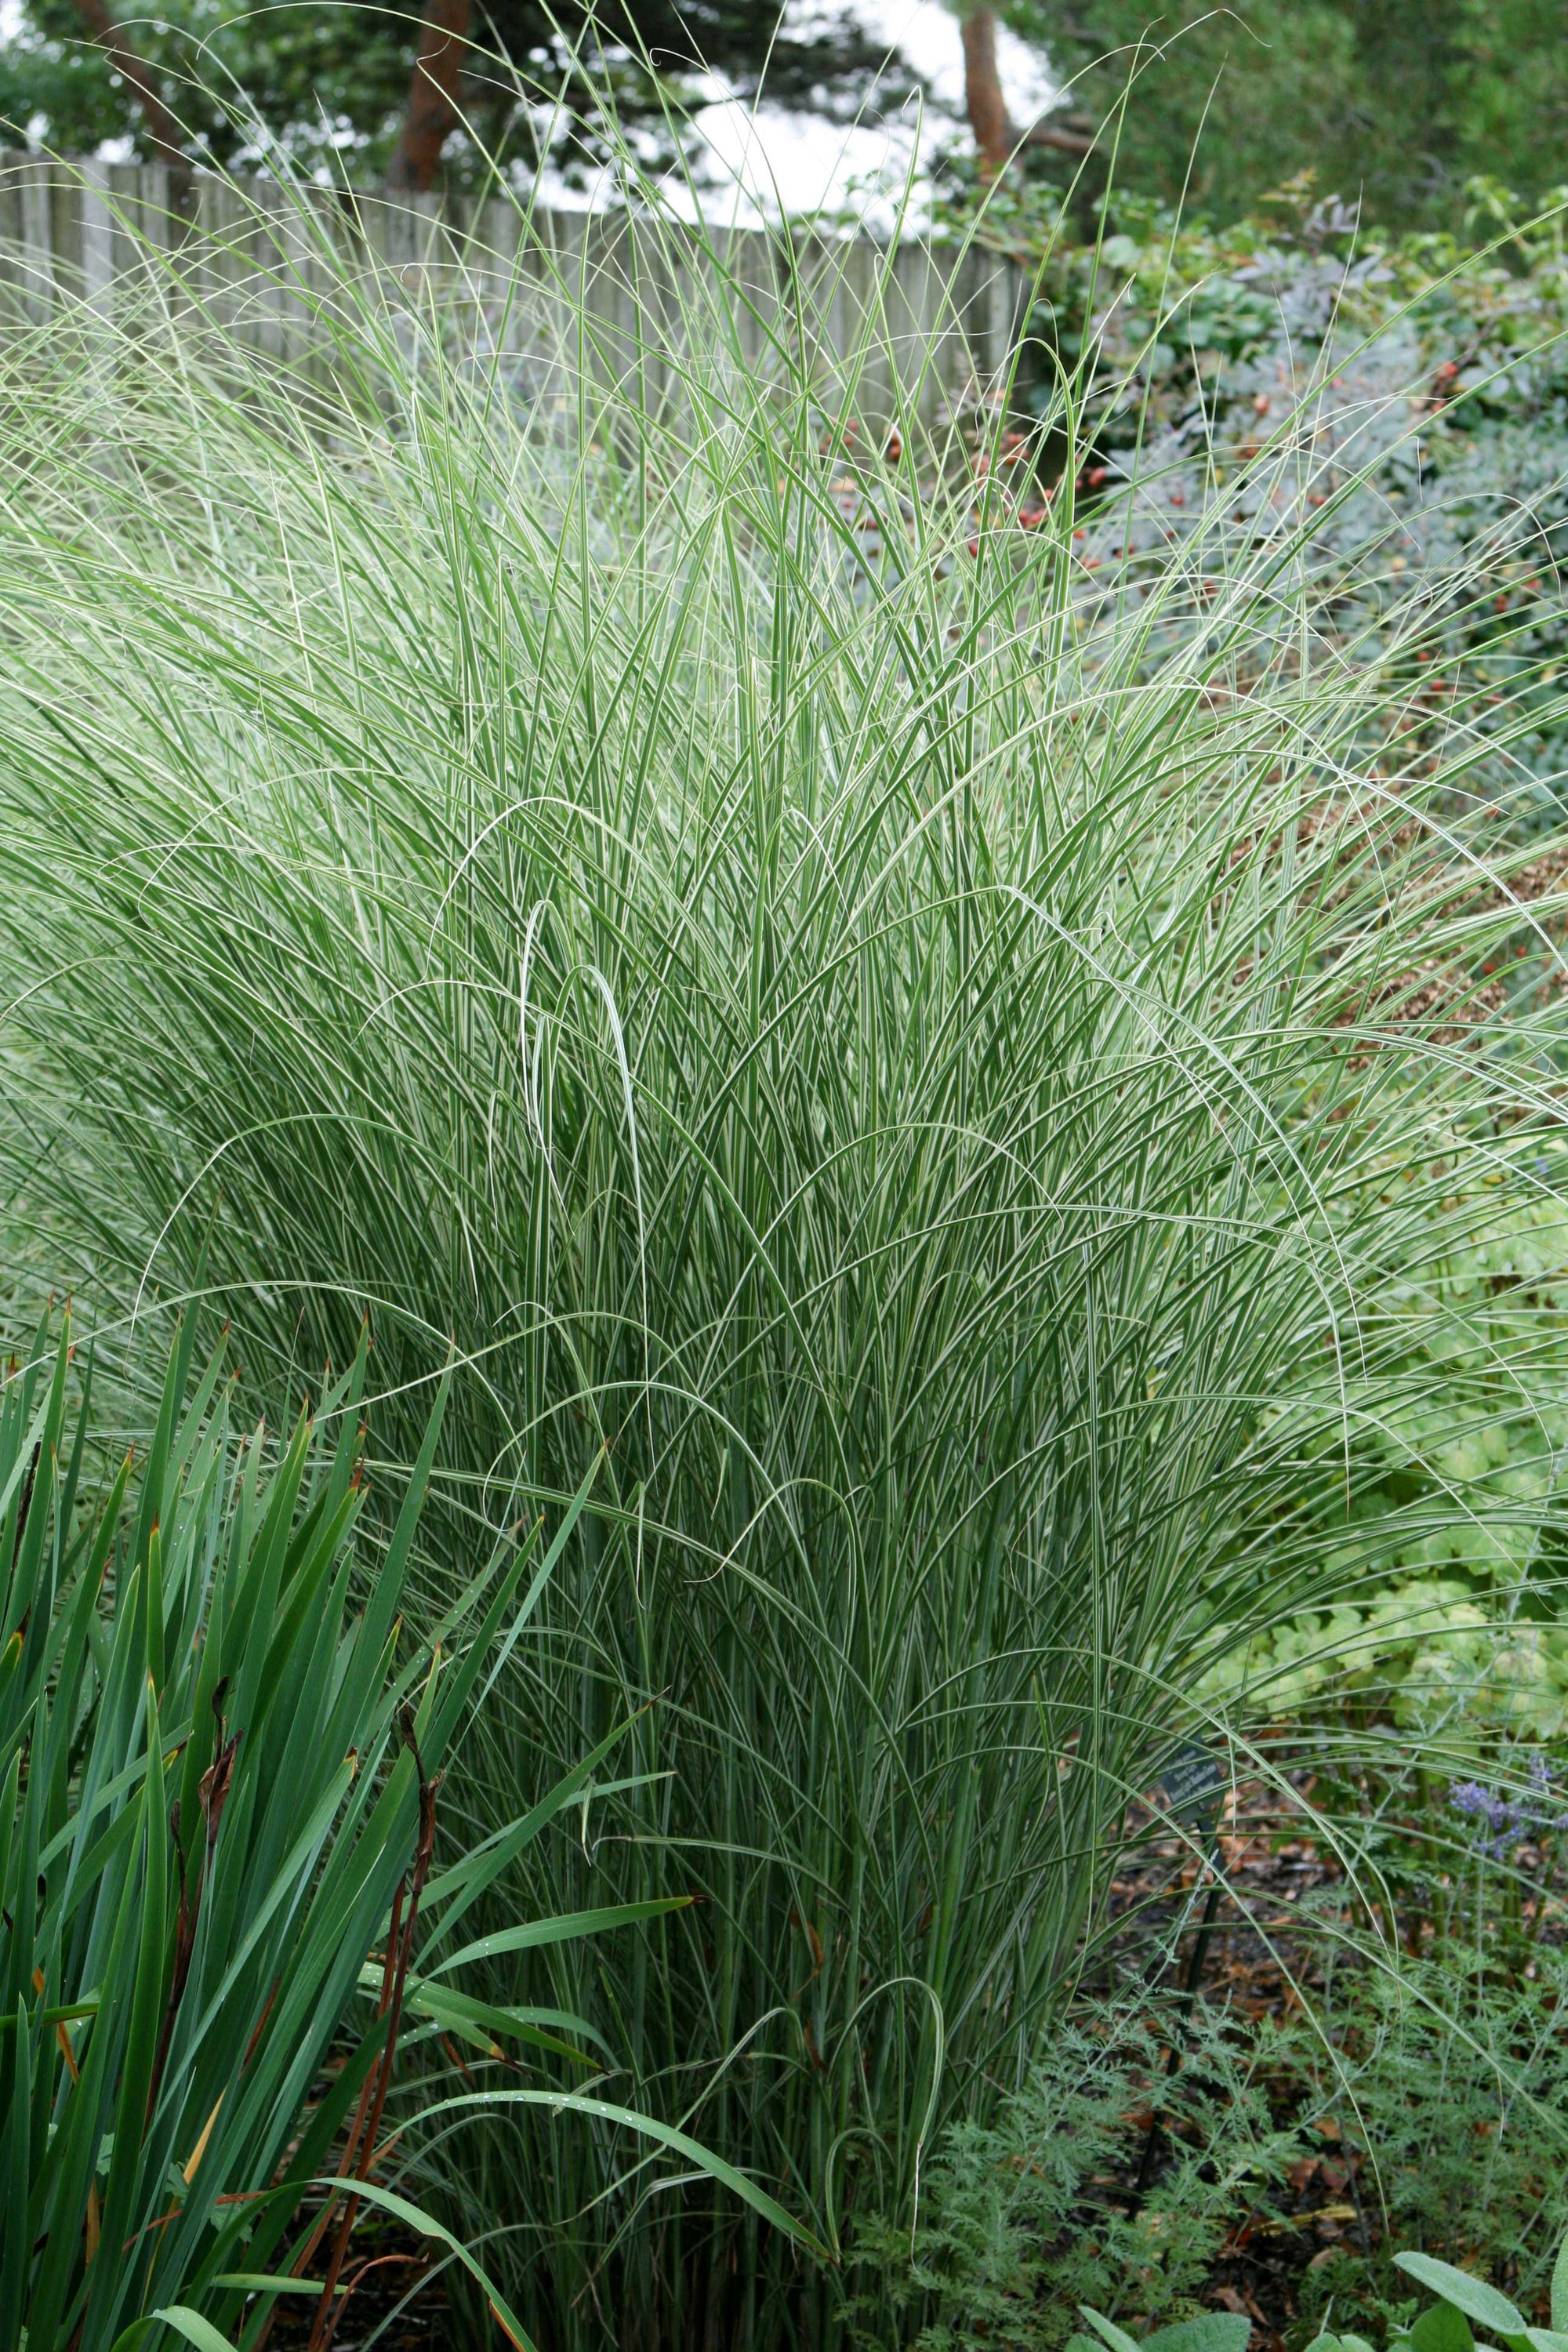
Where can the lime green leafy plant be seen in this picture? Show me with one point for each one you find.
(1452, 1617)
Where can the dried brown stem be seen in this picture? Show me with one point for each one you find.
(366, 2127)
(213, 1793)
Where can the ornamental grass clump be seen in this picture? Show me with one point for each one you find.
(957, 1089)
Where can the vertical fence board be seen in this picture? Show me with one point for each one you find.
(623, 296)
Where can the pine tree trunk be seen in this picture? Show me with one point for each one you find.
(994, 134)
(164, 134)
(432, 112)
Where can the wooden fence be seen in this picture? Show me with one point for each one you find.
(916, 326)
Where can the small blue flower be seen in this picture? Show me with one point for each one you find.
(1501, 1822)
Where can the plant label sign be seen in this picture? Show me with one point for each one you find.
(1192, 1782)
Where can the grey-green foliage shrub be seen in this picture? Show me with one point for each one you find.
(886, 1050)
(1442, 2081)
(1024, 2218)
(1449, 2071)
(1432, 367)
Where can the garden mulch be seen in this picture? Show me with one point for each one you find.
(1258, 1960)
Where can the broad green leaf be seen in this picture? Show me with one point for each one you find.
(259, 2238)
(194, 2328)
(566, 1930)
(486, 2019)
(648, 2128)
(463, 1883)
(183, 2321)
(52, 2017)
(24, 1457)
(1441, 2329)
(298, 1860)
(370, 2193)
(1107, 2329)
(14, 2264)
(1212, 2331)
(389, 1582)
(1473, 2296)
(547, 1567)
(120, 1785)
(143, 2033)
(263, 2283)
(1560, 2288)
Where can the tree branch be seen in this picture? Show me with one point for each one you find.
(1057, 134)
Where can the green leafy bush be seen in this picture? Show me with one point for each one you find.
(1448, 2072)
(207, 1812)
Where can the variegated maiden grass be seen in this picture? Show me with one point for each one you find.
(959, 1092)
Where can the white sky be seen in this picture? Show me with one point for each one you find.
(764, 160)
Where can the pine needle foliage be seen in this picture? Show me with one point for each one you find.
(952, 1086)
